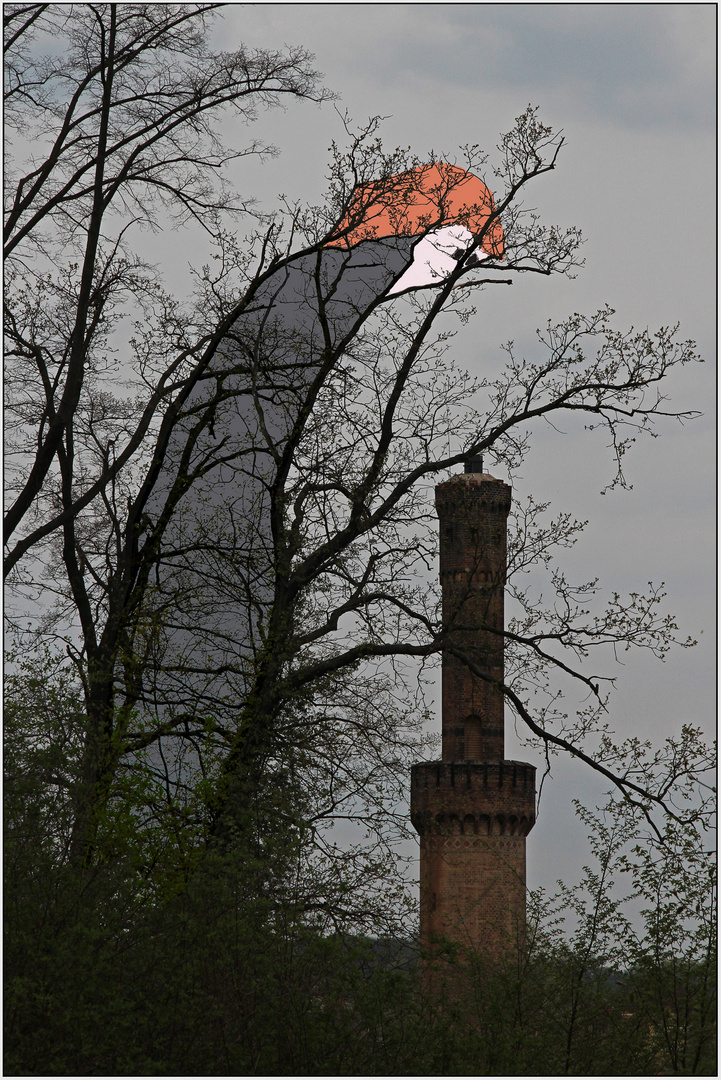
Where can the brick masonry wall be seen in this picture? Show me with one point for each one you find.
(473, 891)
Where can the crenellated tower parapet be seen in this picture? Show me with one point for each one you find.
(473, 798)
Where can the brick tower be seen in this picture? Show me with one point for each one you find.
(473, 809)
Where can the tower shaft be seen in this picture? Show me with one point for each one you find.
(472, 514)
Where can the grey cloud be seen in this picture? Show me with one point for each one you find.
(635, 64)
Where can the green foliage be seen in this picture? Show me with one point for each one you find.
(168, 956)
(217, 983)
(43, 731)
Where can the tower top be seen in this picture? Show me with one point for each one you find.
(472, 482)
(472, 472)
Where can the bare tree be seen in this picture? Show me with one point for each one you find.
(238, 544)
(121, 121)
(124, 119)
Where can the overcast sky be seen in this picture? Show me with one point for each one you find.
(633, 88)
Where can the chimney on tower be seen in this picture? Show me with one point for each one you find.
(473, 809)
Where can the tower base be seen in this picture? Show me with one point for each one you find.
(473, 818)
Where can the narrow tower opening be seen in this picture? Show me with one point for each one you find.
(473, 739)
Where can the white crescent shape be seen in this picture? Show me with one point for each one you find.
(433, 258)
